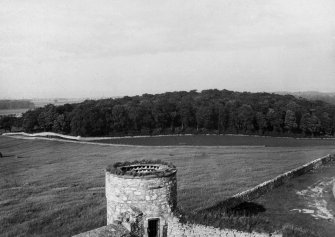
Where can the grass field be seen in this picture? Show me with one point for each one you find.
(56, 188)
(215, 140)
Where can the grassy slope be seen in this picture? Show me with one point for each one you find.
(56, 188)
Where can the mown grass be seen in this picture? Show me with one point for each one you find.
(221, 140)
(247, 217)
(53, 188)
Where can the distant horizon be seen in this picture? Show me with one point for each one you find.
(120, 96)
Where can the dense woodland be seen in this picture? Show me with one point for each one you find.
(208, 111)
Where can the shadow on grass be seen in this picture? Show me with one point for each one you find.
(246, 216)
(11, 155)
(246, 209)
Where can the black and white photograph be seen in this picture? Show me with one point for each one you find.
(167, 118)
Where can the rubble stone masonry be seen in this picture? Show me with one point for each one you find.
(177, 229)
(154, 197)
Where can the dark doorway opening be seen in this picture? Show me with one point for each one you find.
(153, 228)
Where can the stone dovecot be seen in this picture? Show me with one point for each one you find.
(141, 195)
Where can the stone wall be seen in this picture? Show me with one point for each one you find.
(269, 185)
(177, 229)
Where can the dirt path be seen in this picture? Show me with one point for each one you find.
(317, 200)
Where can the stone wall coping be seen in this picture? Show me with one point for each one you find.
(152, 176)
(162, 169)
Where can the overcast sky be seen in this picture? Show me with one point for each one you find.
(96, 48)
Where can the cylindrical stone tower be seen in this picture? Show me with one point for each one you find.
(148, 187)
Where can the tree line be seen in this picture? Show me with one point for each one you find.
(208, 111)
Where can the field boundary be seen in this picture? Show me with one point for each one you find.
(49, 136)
(42, 134)
(271, 184)
(79, 138)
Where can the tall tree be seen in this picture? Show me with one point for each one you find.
(326, 123)
(30, 123)
(310, 124)
(245, 118)
(187, 112)
(290, 121)
(47, 117)
(274, 121)
(261, 122)
(120, 118)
